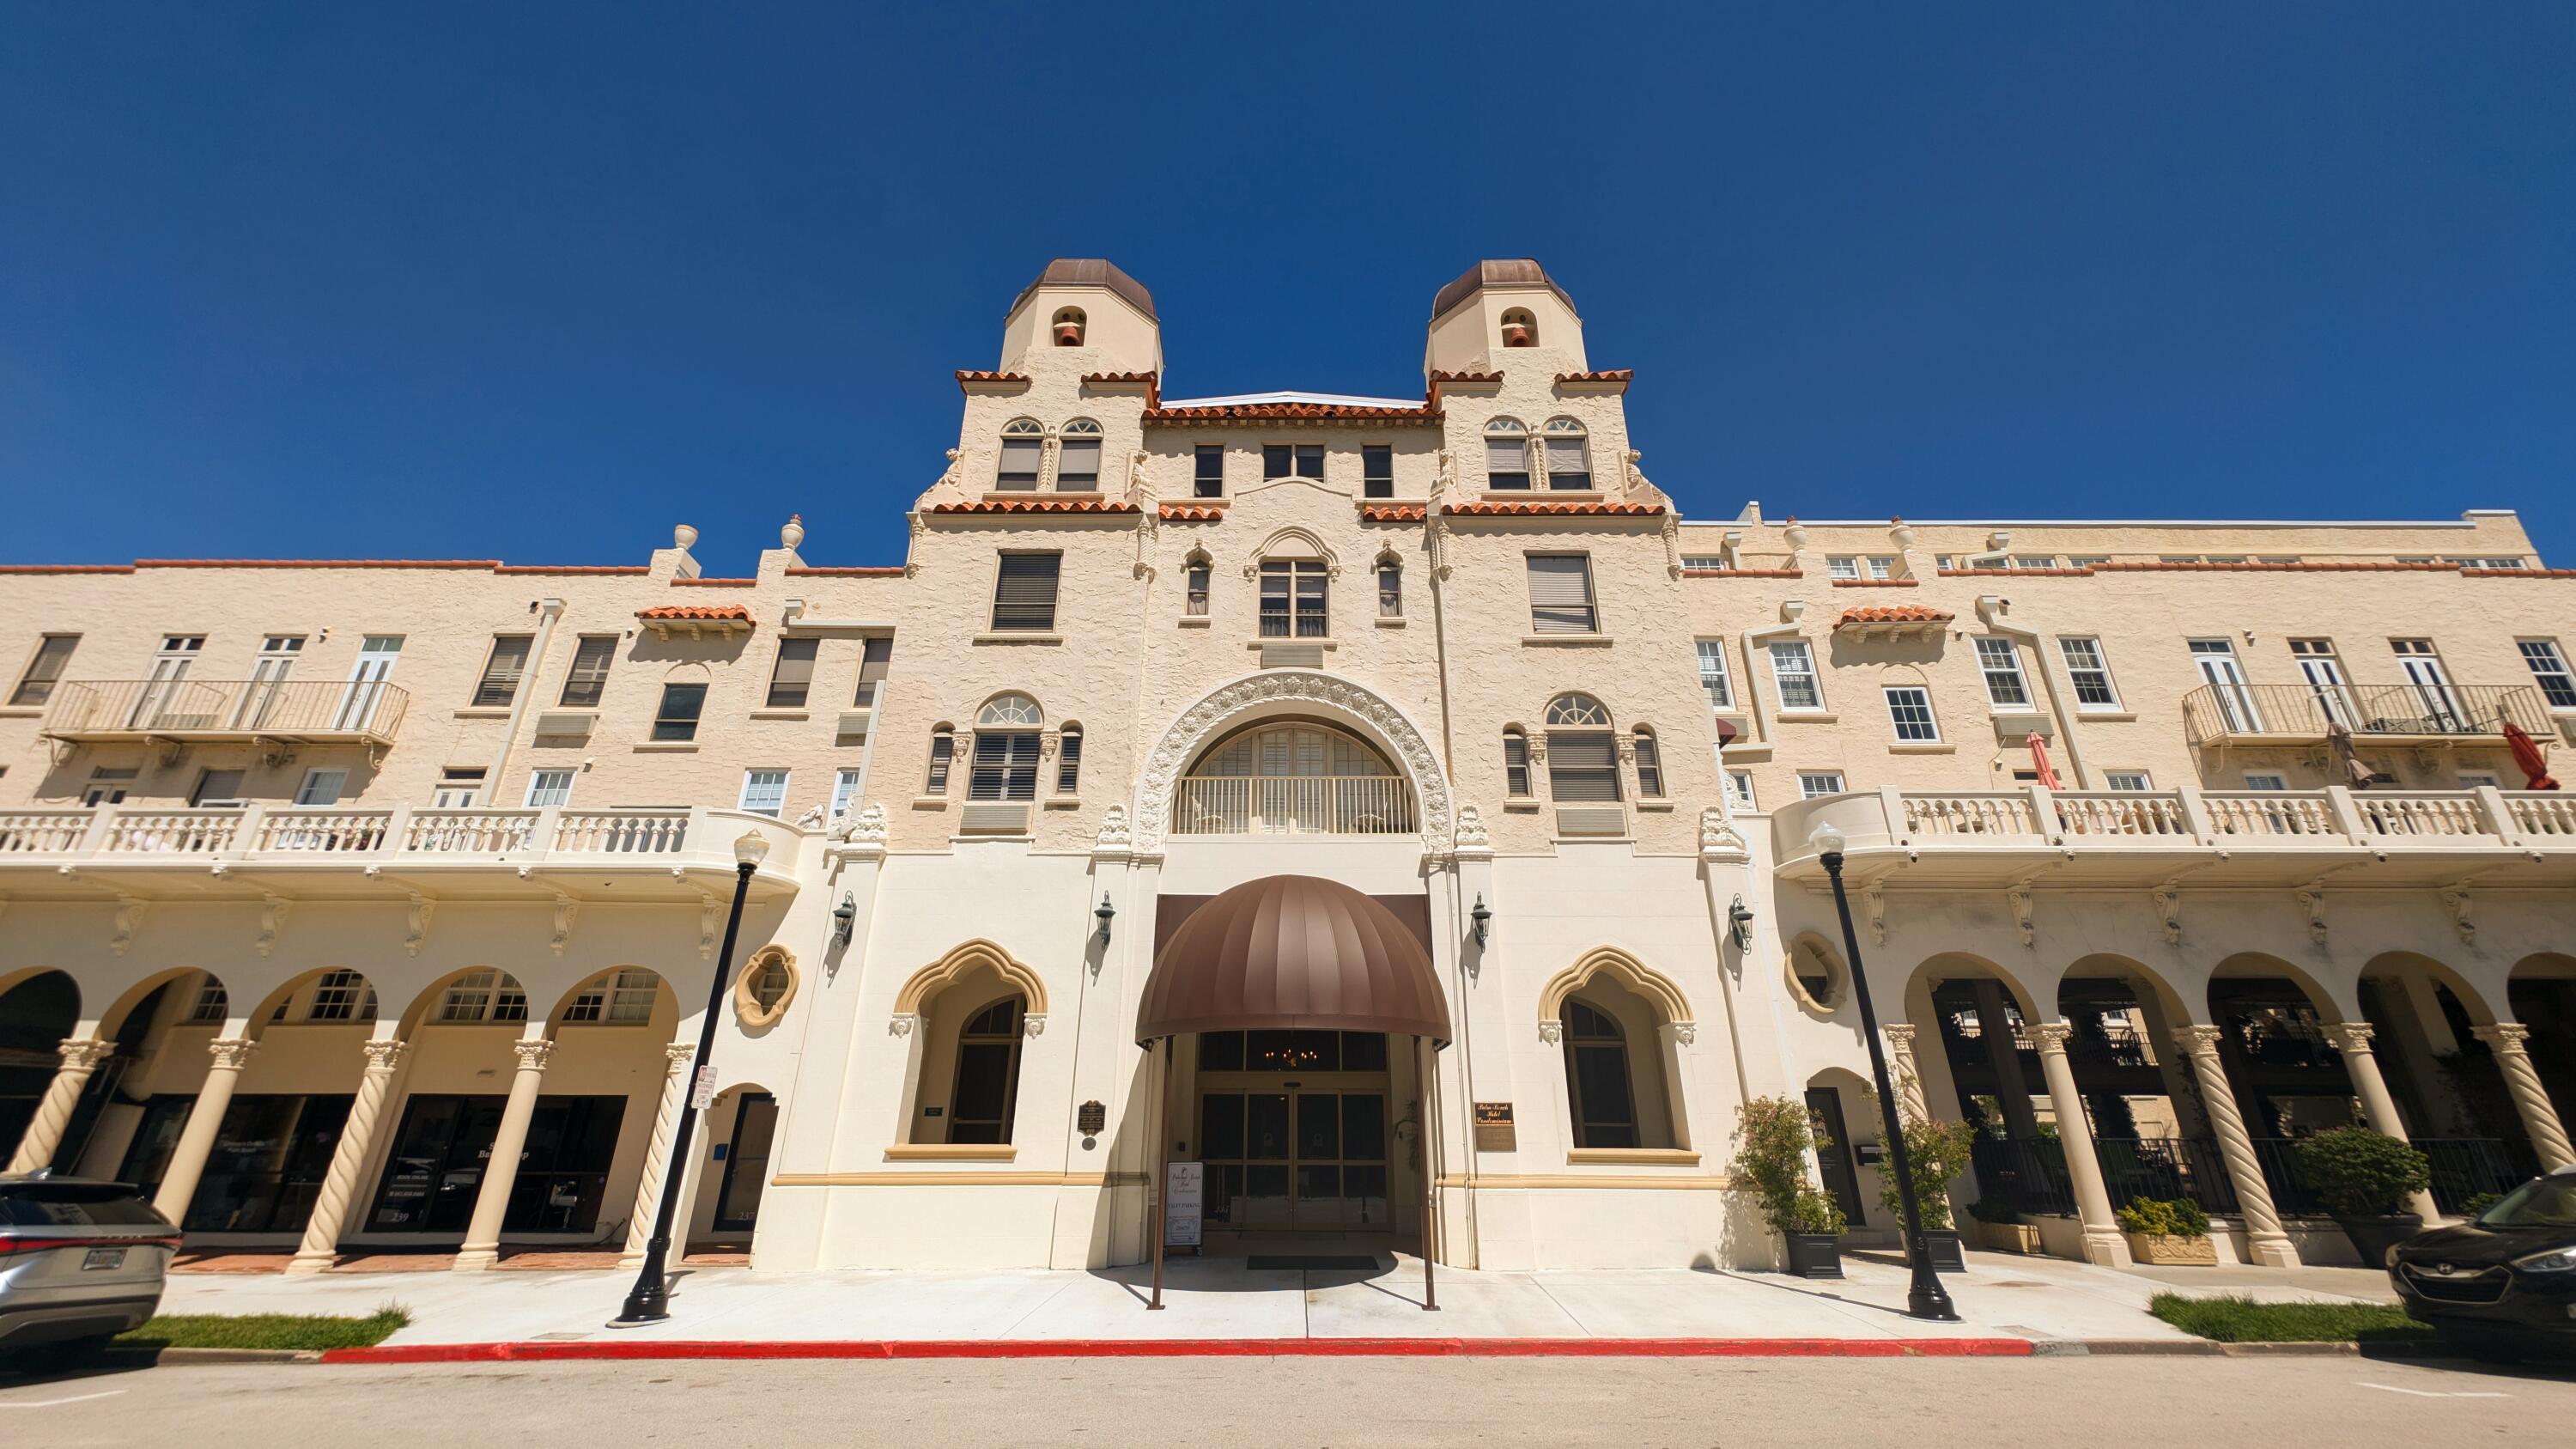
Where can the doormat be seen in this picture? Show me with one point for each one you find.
(1310, 1260)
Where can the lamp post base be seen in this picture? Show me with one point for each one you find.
(1926, 1298)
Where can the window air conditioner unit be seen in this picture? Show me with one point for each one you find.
(1591, 820)
(989, 819)
(566, 724)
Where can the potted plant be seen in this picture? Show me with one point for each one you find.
(2365, 1178)
(2000, 1227)
(2168, 1231)
(1774, 1139)
(1937, 1152)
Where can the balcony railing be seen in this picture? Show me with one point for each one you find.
(2410, 713)
(1293, 805)
(131, 838)
(219, 711)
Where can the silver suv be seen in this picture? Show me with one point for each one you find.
(80, 1261)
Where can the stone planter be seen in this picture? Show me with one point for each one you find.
(2010, 1237)
(1948, 1256)
(1815, 1255)
(2169, 1250)
(2372, 1237)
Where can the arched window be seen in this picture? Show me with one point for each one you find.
(1650, 763)
(1569, 456)
(1582, 755)
(623, 997)
(1077, 463)
(988, 1074)
(1196, 574)
(1390, 587)
(1068, 760)
(1507, 465)
(1516, 763)
(1006, 750)
(1292, 777)
(1068, 327)
(1023, 455)
(1597, 1090)
(943, 752)
(1520, 329)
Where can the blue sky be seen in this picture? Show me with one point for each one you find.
(537, 281)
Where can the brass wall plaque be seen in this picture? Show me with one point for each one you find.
(1494, 1132)
(1090, 1118)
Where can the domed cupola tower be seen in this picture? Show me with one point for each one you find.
(1497, 309)
(1085, 311)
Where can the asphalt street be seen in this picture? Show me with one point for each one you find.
(1210, 1403)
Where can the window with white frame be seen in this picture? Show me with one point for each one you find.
(2089, 671)
(2000, 659)
(1582, 754)
(1293, 599)
(341, 995)
(622, 999)
(1507, 462)
(2266, 780)
(502, 670)
(321, 787)
(764, 792)
(1909, 710)
(845, 788)
(53, 655)
(2480, 780)
(1077, 460)
(1568, 457)
(1812, 783)
(2549, 670)
(1739, 784)
(211, 1005)
(549, 787)
(1842, 566)
(481, 996)
(1793, 676)
(2086, 560)
(1712, 674)
(2133, 781)
(1005, 764)
(2034, 561)
(1710, 562)
(1023, 456)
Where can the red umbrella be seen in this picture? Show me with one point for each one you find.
(2528, 759)
(2047, 771)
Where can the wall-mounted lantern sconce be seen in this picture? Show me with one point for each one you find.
(1482, 917)
(845, 918)
(1739, 923)
(1105, 912)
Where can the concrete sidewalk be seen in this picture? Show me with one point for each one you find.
(2000, 1296)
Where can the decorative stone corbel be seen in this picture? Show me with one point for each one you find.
(1552, 1031)
(1115, 833)
(565, 909)
(416, 925)
(1685, 1032)
(1719, 840)
(1791, 610)
(1472, 834)
(1873, 901)
(2458, 901)
(709, 908)
(2168, 904)
(272, 919)
(129, 919)
(2018, 898)
(2312, 903)
(1033, 1022)
(902, 1023)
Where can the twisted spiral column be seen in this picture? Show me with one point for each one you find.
(1909, 1082)
(321, 1245)
(657, 1153)
(2539, 1118)
(2271, 1246)
(44, 1133)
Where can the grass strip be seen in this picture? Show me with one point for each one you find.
(266, 1330)
(2242, 1320)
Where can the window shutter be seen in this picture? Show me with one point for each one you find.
(1020, 462)
(502, 671)
(588, 678)
(790, 679)
(1516, 781)
(1080, 469)
(1560, 594)
(879, 648)
(1506, 462)
(1565, 461)
(1005, 767)
(1024, 591)
(1582, 768)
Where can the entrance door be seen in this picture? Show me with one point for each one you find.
(260, 700)
(2432, 684)
(1296, 1160)
(755, 1123)
(367, 682)
(2217, 661)
(157, 707)
(2319, 665)
(1834, 1151)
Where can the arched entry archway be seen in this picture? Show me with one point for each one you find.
(1291, 964)
(1374, 718)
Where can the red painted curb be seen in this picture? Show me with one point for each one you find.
(676, 1348)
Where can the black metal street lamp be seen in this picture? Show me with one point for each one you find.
(1925, 1298)
(649, 1301)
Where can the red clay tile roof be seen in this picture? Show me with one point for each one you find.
(1121, 376)
(1033, 505)
(967, 376)
(1292, 412)
(2519, 573)
(317, 563)
(1491, 508)
(1883, 583)
(1394, 513)
(697, 614)
(66, 568)
(1189, 513)
(1743, 574)
(1466, 377)
(705, 583)
(1616, 374)
(847, 571)
(1898, 614)
(634, 569)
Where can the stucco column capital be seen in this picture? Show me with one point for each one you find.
(384, 1056)
(2504, 1036)
(2352, 1038)
(83, 1054)
(676, 1056)
(2049, 1036)
(230, 1053)
(534, 1055)
(1901, 1033)
(2199, 1038)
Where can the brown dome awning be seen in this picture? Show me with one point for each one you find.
(1293, 951)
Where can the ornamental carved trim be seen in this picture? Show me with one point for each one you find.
(1187, 734)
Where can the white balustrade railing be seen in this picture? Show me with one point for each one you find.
(1969, 813)
(2270, 812)
(171, 832)
(2107, 812)
(622, 832)
(44, 832)
(518, 837)
(1293, 805)
(472, 832)
(2539, 813)
(2388, 813)
(322, 830)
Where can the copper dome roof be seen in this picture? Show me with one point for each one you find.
(1090, 272)
(1508, 272)
(1293, 951)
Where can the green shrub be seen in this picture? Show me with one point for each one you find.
(1990, 1210)
(1937, 1152)
(2165, 1218)
(1773, 1137)
(2475, 1205)
(2361, 1173)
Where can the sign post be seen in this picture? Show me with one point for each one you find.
(1184, 1189)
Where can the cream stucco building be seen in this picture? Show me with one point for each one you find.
(325, 886)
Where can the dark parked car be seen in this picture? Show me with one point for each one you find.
(80, 1261)
(2505, 1283)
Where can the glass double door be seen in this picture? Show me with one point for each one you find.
(1295, 1158)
